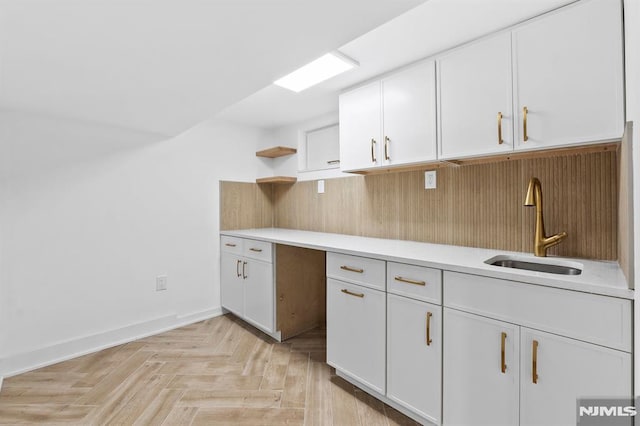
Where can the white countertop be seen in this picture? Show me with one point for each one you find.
(598, 277)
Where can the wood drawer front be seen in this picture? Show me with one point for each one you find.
(259, 250)
(231, 244)
(597, 319)
(416, 282)
(355, 269)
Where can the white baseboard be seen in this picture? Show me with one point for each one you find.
(63, 351)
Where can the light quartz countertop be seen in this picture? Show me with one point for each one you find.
(598, 277)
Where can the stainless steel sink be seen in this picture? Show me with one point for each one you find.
(563, 268)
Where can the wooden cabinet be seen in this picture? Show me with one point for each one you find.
(475, 99)
(569, 76)
(391, 121)
(477, 390)
(356, 332)
(414, 355)
(534, 375)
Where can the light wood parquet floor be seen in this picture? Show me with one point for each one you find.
(216, 372)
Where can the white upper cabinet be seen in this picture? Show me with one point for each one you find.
(475, 99)
(360, 127)
(568, 74)
(409, 116)
(391, 121)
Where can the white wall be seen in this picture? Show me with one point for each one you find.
(294, 136)
(632, 57)
(90, 215)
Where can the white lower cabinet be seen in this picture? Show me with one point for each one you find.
(477, 390)
(503, 372)
(247, 281)
(356, 332)
(556, 371)
(232, 283)
(414, 355)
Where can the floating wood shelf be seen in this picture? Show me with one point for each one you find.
(277, 179)
(276, 151)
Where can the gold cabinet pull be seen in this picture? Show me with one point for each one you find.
(229, 245)
(429, 315)
(503, 364)
(500, 141)
(350, 293)
(238, 268)
(534, 357)
(256, 249)
(350, 269)
(409, 281)
(244, 275)
(333, 162)
(386, 148)
(525, 111)
(373, 154)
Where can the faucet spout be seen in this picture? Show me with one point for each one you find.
(541, 242)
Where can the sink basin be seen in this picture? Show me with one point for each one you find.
(548, 266)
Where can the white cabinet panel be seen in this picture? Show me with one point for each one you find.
(569, 74)
(356, 269)
(475, 85)
(476, 390)
(360, 127)
(356, 332)
(416, 282)
(414, 355)
(232, 283)
(566, 370)
(409, 115)
(258, 294)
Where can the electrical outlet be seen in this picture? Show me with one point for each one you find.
(430, 179)
(161, 282)
(321, 187)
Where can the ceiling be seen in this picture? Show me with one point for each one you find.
(429, 28)
(162, 66)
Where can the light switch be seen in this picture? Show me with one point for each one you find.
(321, 187)
(430, 179)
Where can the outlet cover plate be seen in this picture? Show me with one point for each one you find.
(161, 282)
(430, 179)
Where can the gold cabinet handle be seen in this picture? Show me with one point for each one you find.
(503, 364)
(238, 268)
(350, 269)
(534, 357)
(386, 148)
(525, 111)
(500, 141)
(229, 245)
(350, 293)
(373, 154)
(429, 315)
(409, 281)
(256, 249)
(244, 275)
(333, 161)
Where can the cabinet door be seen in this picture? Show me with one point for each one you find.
(414, 348)
(258, 295)
(231, 283)
(360, 128)
(409, 115)
(569, 75)
(356, 332)
(475, 103)
(476, 389)
(566, 370)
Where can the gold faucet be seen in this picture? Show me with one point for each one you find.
(541, 241)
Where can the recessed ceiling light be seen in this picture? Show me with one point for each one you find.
(316, 72)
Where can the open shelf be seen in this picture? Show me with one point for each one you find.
(276, 151)
(277, 179)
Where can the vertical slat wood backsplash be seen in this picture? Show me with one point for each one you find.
(477, 205)
(245, 205)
